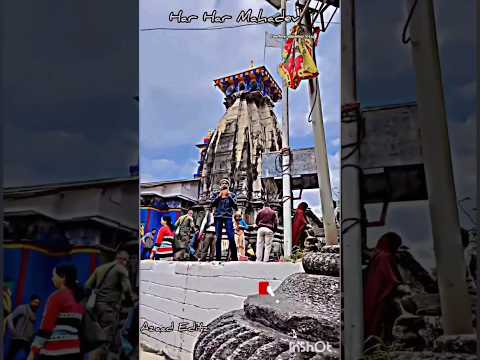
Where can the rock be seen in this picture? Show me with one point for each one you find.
(456, 344)
(407, 332)
(308, 304)
(428, 355)
(235, 337)
(321, 263)
(305, 311)
(414, 274)
(146, 348)
(422, 304)
(311, 244)
(333, 249)
(433, 329)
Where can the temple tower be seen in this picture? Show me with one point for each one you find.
(248, 129)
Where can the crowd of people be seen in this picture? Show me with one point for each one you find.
(62, 332)
(184, 240)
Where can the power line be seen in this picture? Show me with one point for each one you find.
(206, 28)
(199, 29)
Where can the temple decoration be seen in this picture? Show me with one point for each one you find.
(248, 129)
(203, 152)
(256, 79)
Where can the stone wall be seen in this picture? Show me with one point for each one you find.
(191, 292)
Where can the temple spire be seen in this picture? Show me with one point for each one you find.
(247, 130)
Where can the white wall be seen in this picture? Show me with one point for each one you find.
(192, 291)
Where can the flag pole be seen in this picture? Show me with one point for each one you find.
(264, 49)
(321, 156)
(287, 192)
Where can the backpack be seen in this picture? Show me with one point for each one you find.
(92, 335)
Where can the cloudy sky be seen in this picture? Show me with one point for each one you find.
(69, 77)
(386, 76)
(179, 103)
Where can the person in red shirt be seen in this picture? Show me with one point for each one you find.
(382, 278)
(299, 224)
(163, 246)
(267, 223)
(59, 335)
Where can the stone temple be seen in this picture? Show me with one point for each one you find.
(248, 129)
(246, 141)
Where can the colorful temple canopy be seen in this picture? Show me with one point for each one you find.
(256, 79)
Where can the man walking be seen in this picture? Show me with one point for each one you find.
(148, 241)
(21, 323)
(267, 223)
(112, 286)
(185, 228)
(225, 203)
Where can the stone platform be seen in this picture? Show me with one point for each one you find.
(195, 292)
(302, 320)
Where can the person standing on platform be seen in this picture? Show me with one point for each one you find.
(185, 228)
(240, 227)
(207, 236)
(267, 223)
(21, 324)
(225, 203)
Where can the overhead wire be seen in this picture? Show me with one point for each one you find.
(200, 28)
(207, 28)
(407, 23)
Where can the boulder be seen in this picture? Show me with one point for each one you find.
(456, 344)
(307, 304)
(233, 336)
(422, 304)
(297, 323)
(407, 331)
(333, 249)
(322, 263)
(428, 355)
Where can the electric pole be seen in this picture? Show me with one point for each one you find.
(351, 274)
(477, 227)
(432, 118)
(286, 177)
(321, 155)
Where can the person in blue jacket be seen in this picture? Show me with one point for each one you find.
(240, 226)
(225, 204)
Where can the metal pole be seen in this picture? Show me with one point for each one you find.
(352, 288)
(321, 156)
(477, 205)
(1, 243)
(454, 298)
(286, 179)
